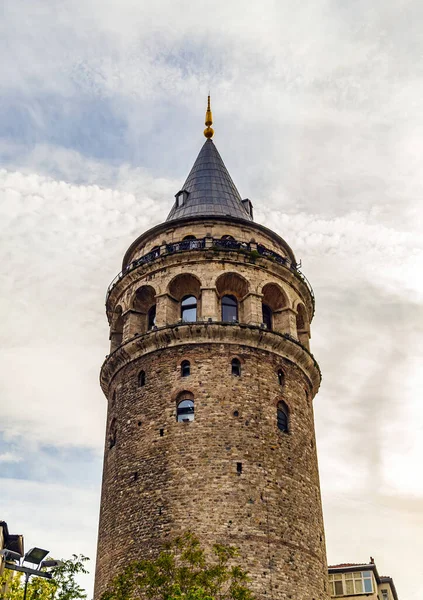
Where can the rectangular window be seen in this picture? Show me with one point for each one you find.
(385, 595)
(350, 584)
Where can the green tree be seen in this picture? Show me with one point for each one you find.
(183, 571)
(63, 585)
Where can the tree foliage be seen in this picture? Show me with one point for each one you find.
(183, 571)
(63, 585)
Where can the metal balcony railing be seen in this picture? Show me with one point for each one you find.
(214, 244)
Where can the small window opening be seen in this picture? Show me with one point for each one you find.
(185, 368)
(141, 379)
(236, 413)
(181, 198)
(114, 398)
(281, 377)
(112, 433)
(229, 309)
(161, 432)
(236, 367)
(283, 417)
(185, 411)
(189, 309)
(239, 468)
(135, 476)
(139, 423)
(151, 317)
(267, 316)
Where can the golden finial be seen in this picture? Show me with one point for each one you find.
(208, 132)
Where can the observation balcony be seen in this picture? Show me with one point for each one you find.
(253, 250)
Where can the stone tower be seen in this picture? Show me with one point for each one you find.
(210, 386)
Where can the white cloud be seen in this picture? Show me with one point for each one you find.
(318, 118)
(10, 457)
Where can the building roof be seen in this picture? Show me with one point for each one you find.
(211, 191)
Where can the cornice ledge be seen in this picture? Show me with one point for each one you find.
(206, 333)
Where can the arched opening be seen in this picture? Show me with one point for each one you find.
(283, 417)
(229, 309)
(112, 433)
(141, 379)
(189, 237)
(236, 367)
(189, 309)
(281, 377)
(185, 368)
(185, 407)
(116, 329)
(267, 316)
(232, 289)
(228, 237)
(184, 299)
(273, 302)
(143, 309)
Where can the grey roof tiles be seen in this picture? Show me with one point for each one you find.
(210, 188)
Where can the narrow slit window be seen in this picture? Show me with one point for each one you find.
(112, 433)
(239, 468)
(283, 417)
(281, 377)
(267, 316)
(185, 368)
(141, 379)
(236, 367)
(151, 317)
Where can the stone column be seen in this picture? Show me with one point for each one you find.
(252, 312)
(284, 321)
(209, 304)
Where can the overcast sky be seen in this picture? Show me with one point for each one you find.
(318, 116)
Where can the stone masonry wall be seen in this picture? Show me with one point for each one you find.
(163, 477)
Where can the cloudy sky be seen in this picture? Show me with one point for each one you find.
(319, 119)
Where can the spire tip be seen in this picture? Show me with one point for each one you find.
(208, 132)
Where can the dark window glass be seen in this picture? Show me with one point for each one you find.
(185, 368)
(229, 309)
(282, 417)
(281, 377)
(151, 317)
(141, 378)
(185, 411)
(227, 237)
(267, 316)
(189, 309)
(189, 237)
(236, 367)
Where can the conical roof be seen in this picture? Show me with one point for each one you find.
(211, 191)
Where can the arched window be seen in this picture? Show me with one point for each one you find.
(112, 433)
(185, 368)
(185, 411)
(236, 367)
(227, 237)
(189, 309)
(151, 317)
(267, 316)
(189, 237)
(281, 377)
(141, 378)
(229, 309)
(283, 417)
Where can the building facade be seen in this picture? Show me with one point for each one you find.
(352, 580)
(210, 385)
